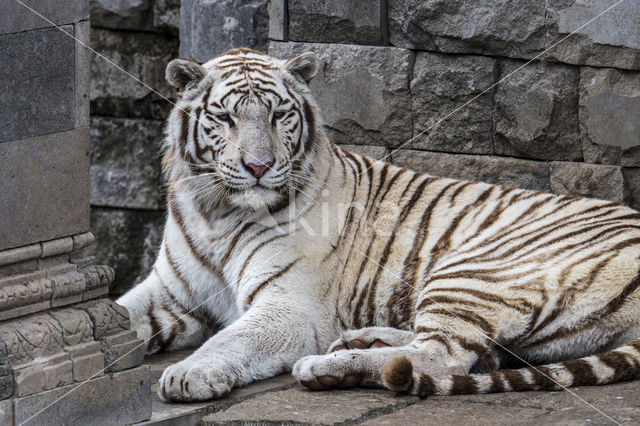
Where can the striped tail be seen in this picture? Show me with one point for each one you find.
(617, 365)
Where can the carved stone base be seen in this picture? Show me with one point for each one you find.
(57, 329)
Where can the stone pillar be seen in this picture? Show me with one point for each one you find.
(58, 328)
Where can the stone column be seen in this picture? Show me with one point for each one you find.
(58, 328)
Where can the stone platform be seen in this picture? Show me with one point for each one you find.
(281, 400)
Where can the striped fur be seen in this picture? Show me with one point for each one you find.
(424, 284)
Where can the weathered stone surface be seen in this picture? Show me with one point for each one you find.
(15, 17)
(632, 186)
(122, 15)
(303, 406)
(107, 316)
(125, 162)
(441, 85)
(589, 180)
(52, 199)
(278, 21)
(119, 398)
(610, 116)
(210, 27)
(87, 359)
(82, 73)
(536, 111)
(378, 152)
(145, 57)
(503, 27)
(522, 29)
(37, 83)
(24, 289)
(363, 92)
(19, 254)
(611, 40)
(338, 21)
(454, 413)
(6, 412)
(166, 16)
(122, 351)
(497, 170)
(128, 241)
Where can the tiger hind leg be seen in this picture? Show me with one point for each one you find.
(372, 337)
(357, 366)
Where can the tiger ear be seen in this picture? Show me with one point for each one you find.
(182, 74)
(303, 66)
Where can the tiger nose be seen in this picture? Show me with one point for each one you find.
(258, 170)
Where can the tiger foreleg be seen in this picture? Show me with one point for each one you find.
(161, 319)
(264, 342)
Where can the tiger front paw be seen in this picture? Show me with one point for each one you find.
(195, 380)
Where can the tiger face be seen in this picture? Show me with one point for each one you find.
(247, 126)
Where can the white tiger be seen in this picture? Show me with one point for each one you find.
(279, 246)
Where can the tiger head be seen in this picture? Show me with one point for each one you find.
(245, 128)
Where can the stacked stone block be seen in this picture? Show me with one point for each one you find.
(58, 328)
(523, 93)
(127, 121)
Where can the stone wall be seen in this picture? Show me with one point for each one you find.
(445, 86)
(58, 330)
(127, 120)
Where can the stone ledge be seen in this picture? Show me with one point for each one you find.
(117, 398)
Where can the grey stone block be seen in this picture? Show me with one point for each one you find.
(441, 85)
(128, 240)
(610, 116)
(497, 170)
(125, 163)
(82, 74)
(536, 111)
(166, 16)
(122, 351)
(107, 316)
(37, 83)
(119, 398)
(611, 40)
(19, 254)
(338, 21)
(51, 200)
(501, 27)
(6, 411)
(88, 360)
(362, 91)
(144, 56)
(210, 27)
(588, 180)
(16, 18)
(377, 152)
(632, 186)
(349, 406)
(122, 15)
(24, 290)
(278, 20)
